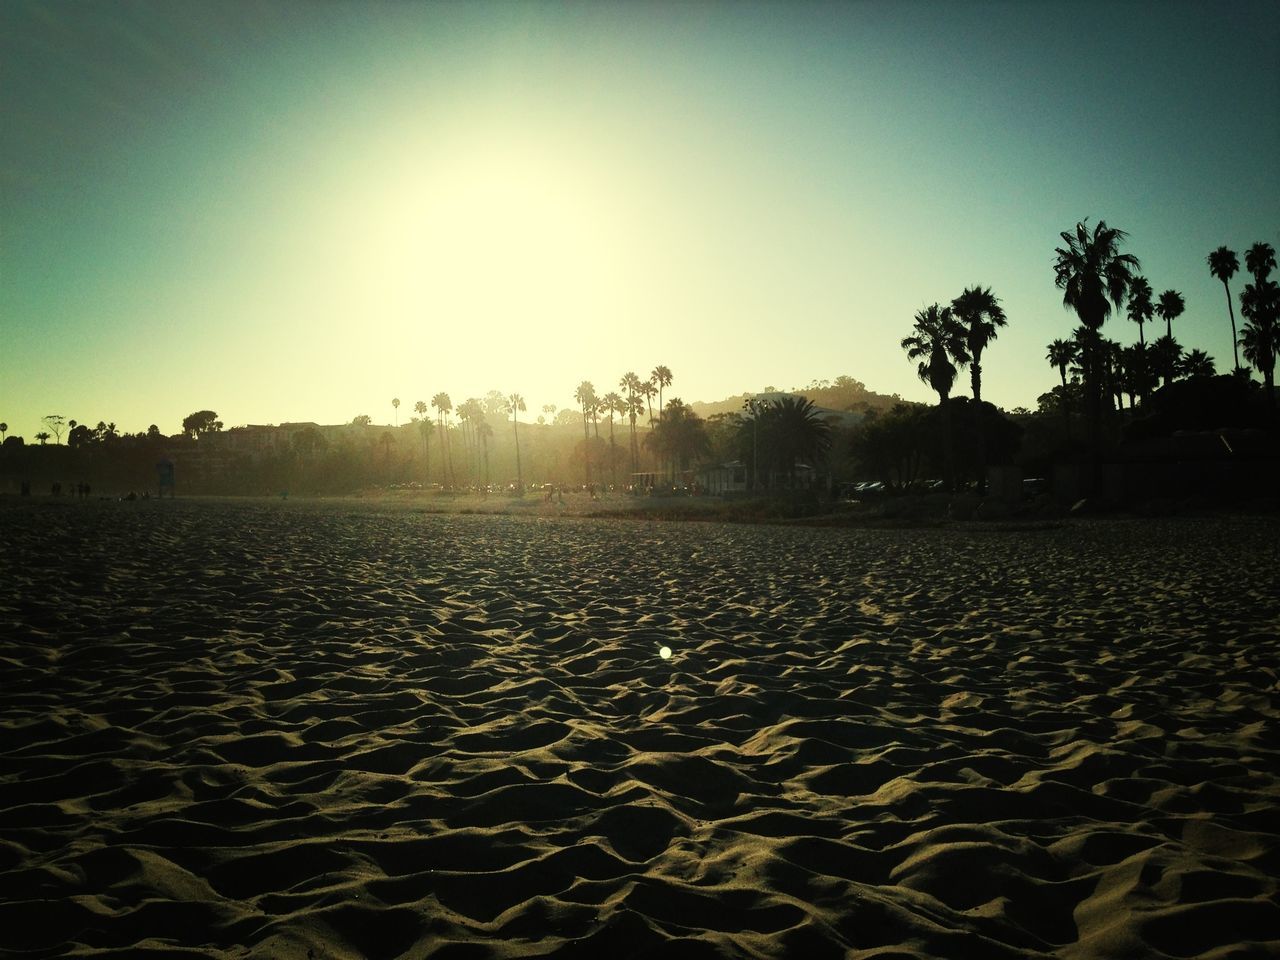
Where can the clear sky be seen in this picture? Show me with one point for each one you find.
(296, 211)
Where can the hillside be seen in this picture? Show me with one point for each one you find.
(843, 393)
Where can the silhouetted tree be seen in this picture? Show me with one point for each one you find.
(43, 437)
(1093, 275)
(613, 403)
(4, 428)
(1223, 265)
(980, 314)
(444, 406)
(1195, 364)
(1062, 354)
(201, 422)
(938, 345)
(424, 427)
(1166, 353)
(585, 394)
(515, 403)
(56, 423)
(395, 405)
(1260, 260)
(630, 382)
(680, 435)
(1260, 305)
(362, 420)
(1169, 309)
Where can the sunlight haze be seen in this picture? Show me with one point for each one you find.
(288, 211)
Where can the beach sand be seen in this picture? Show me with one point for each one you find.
(340, 730)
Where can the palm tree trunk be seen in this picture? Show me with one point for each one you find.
(1235, 350)
(948, 455)
(515, 426)
(975, 376)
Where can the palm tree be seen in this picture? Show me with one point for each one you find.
(1196, 364)
(516, 405)
(680, 436)
(1166, 354)
(1260, 305)
(648, 389)
(631, 383)
(586, 397)
(1140, 305)
(43, 437)
(1223, 265)
(613, 403)
(1062, 354)
(662, 377)
(1134, 361)
(938, 345)
(395, 405)
(1093, 275)
(796, 432)
(4, 428)
(424, 427)
(1260, 260)
(444, 406)
(1169, 309)
(979, 312)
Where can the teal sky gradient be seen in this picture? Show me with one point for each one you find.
(287, 211)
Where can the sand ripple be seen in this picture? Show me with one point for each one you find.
(311, 730)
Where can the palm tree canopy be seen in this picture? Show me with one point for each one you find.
(937, 345)
(1171, 305)
(1260, 304)
(1092, 272)
(1223, 263)
(1062, 353)
(1197, 364)
(1140, 305)
(1260, 260)
(978, 310)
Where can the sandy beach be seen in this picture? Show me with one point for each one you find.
(342, 730)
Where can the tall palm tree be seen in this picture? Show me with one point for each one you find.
(1169, 309)
(444, 406)
(1223, 265)
(586, 397)
(611, 404)
(395, 405)
(1260, 260)
(938, 345)
(1260, 305)
(1141, 308)
(486, 432)
(649, 390)
(662, 377)
(4, 428)
(516, 403)
(1062, 354)
(630, 382)
(1094, 276)
(979, 312)
(424, 427)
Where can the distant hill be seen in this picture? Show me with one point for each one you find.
(842, 394)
